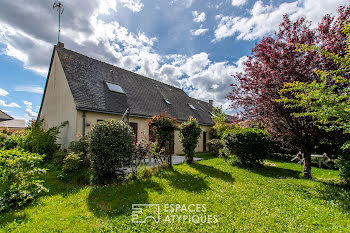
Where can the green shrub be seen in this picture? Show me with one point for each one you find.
(19, 177)
(343, 163)
(2, 139)
(189, 135)
(111, 148)
(42, 141)
(13, 141)
(213, 134)
(80, 146)
(248, 145)
(72, 162)
(58, 157)
(214, 146)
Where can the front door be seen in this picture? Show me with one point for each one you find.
(204, 141)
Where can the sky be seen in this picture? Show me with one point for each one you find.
(196, 45)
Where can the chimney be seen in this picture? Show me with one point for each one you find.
(211, 102)
(60, 45)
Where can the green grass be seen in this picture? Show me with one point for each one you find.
(270, 199)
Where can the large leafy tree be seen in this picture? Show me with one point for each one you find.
(275, 61)
(327, 99)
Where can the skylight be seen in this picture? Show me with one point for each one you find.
(167, 101)
(115, 88)
(192, 107)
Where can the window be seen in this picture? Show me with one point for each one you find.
(115, 88)
(168, 102)
(192, 107)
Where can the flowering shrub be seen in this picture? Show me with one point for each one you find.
(72, 162)
(214, 146)
(189, 135)
(19, 177)
(111, 148)
(80, 146)
(164, 127)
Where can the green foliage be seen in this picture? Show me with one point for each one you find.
(58, 157)
(218, 115)
(343, 163)
(13, 141)
(72, 162)
(19, 177)
(80, 146)
(111, 148)
(40, 141)
(213, 134)
(214, 146)
(3, 136)
(189, 135)
(249, 146)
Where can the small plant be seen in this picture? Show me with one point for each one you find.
(111, 148)
(58, 157)
(214, 146)
(72, 162)
(248, 145)
(19, 178)
(189, 135)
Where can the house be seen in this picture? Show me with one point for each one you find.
(84, 91)
(8, 122)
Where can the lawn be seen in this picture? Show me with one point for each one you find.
(270, 199)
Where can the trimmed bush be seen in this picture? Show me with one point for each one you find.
(111, 147)
(19, 178)
(248, 145)
(214, 146)
(189, 135)
(72, 162)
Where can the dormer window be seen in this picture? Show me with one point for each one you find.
(167, 101)
(191, 106)
(115, 88)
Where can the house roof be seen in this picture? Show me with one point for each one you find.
(13, 124)
(143, 96)
(4, 116)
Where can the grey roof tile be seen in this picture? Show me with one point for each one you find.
(143, 96)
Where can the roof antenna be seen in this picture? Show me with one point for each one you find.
(57, 4)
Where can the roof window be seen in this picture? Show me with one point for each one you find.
(167, 101)
(115, 88)
(192, 107)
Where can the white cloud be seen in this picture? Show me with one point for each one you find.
(198, 18)
(30, 114)
(264, 19)
(133, 5)
(10, 105)
(3, 92)
(195, 64)
(31, 89)
(238, 2)
(199, 31)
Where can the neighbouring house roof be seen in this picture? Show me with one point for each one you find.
(4, 116)
(13, 124)
(143, 96)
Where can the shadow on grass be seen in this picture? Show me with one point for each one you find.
(118, 199)
(11, 216)
(275, 172)
(213, 172)
(185, 181)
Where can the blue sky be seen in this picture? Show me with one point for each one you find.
(193, 44)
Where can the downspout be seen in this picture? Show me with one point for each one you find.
(84, 119)
(126, 111)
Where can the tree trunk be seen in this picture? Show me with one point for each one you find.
(307, 165)
(189, 158)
